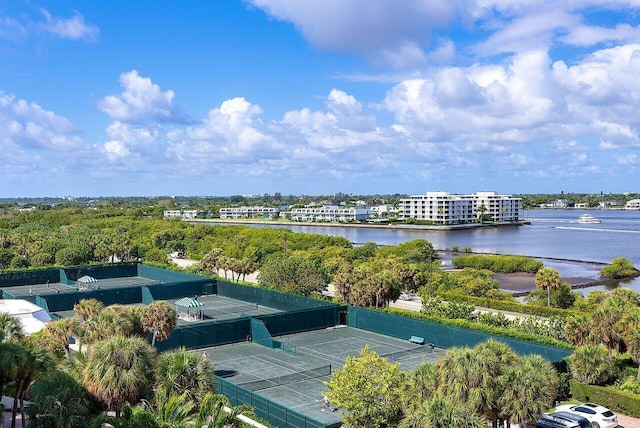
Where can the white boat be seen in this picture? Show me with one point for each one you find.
(588, 219)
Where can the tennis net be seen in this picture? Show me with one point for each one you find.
(314, 373)
(212, 312)
(398, 355)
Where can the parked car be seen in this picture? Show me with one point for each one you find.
(572, 417)
(406, 296)
(548, 422)
(599, 416)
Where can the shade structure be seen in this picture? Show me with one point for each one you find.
(87, 279)
(188, 302)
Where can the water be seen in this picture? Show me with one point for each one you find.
(552, 234)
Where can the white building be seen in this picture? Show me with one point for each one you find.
(32, 317)
(381, 211)
(329, 213)
(445, 208)
(180, 213)
(633, 204)
(249, 212)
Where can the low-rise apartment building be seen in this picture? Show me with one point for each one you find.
(445, 208)
(180, 213)
(249, 212)
(329, 213)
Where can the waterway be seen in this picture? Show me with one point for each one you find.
(551, 234)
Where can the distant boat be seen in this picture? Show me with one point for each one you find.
(588, 219)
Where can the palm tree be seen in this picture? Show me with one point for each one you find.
(440, 412)
(59, 400)
(497, 357)
(10, 327)
(183, 372)
(592, 364)
(482, 209)
(211, 261)
(548, 278)
(421, 384)
(531, 385)
(216, 411)
(12, 356)
(86, 308)
(60, 332)
(119, 370)
(159, 318)
(37, 360)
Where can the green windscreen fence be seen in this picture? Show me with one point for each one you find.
(265, 297)
(274, 413)
(177, 290)
(164, 275)
(261, 336)
(27, 277)
(301, 320)
(100, 272)
(206, 334)
(65, 301)
(441, 335)
(63, 278)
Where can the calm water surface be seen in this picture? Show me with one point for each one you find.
(552, 234)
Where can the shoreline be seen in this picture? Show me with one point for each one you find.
(247, 222)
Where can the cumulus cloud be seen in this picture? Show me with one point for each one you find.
(27, 126)
(140, 101)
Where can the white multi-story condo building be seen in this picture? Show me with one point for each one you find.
(330, 213)
(180, 213)
(633, 204)
(249, 212)
(445, 208)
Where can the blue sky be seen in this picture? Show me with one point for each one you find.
(145, 98)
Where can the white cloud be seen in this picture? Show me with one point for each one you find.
(140, 101)
(627, 160)
(24, 26)
(75, 28)
(534, 30)
(378, 29)
(27, 126)
(585, 35)
(11, 29)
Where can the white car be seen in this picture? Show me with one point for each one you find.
(599, 416)
(406, 296)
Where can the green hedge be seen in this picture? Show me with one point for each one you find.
(479, 327)
(498, 263)
(506, 305)
(618, 401)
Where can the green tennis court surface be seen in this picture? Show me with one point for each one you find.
(296, 381)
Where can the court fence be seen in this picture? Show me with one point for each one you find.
(442, 336)
(207, 334)
(265, 297)
(267, 409)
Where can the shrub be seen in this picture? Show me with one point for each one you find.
(620, 267)
(498, 263)
(618, 401)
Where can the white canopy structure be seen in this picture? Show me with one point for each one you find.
(32, 317)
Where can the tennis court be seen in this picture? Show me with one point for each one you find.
(215, 307)
(296, 381)
(47, 288)
(20, 291)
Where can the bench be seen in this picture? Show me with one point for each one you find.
(417, 340)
